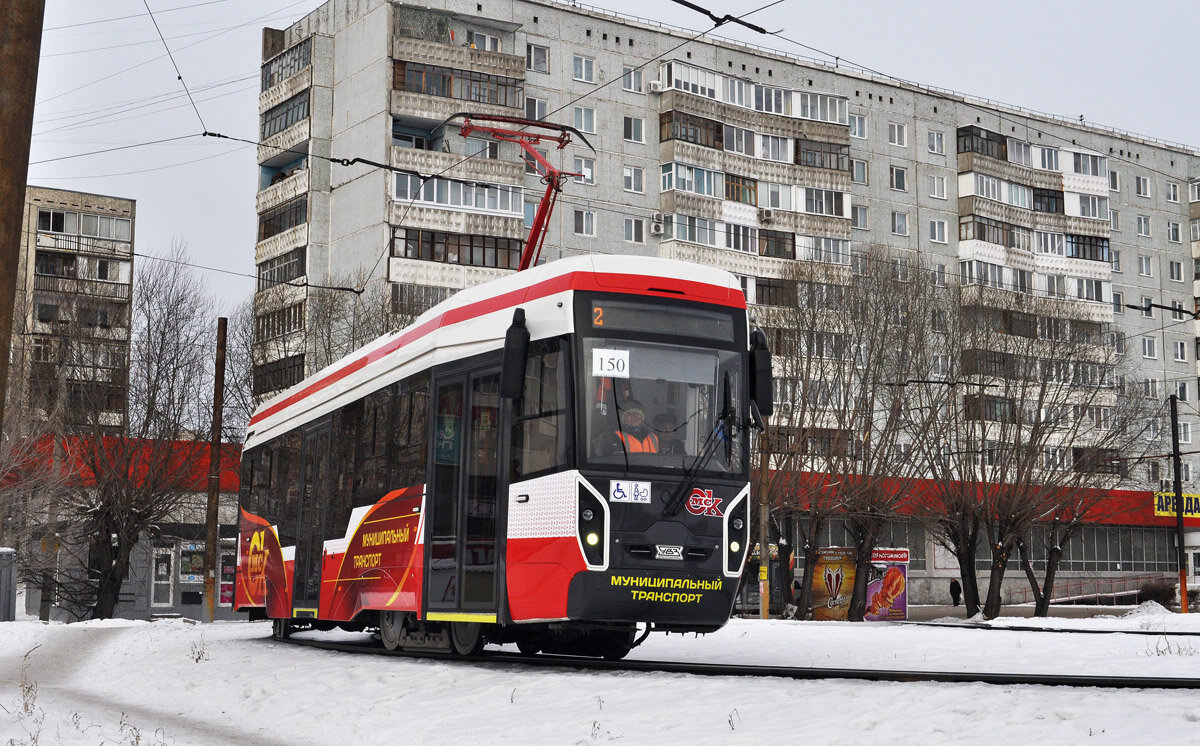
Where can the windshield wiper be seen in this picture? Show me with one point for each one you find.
(724, 431)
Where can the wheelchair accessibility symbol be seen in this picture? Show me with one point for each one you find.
(629, 492)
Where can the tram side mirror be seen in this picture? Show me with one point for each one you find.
(516, 352)
(762, 393)
(756, 420)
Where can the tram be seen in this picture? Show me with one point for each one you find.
(472, 478)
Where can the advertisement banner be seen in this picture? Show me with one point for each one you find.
(1164, 505)
(833, 582)
(887, 588)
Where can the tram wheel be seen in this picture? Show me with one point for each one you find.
(391, 628)
(613, 646)
(466, 637)
(281, 629)
(529, 646)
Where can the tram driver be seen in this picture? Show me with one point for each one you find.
(634, 435)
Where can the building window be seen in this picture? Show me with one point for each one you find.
(462, 249)
(1185, 432)
(858, 171)
(741, 189)
(978, 140)
(678, 176)
(1176, 311)
(825, 155)
(858, 126)
(1091, 206)
(1118, 302)
(1020, 196)
(676, 125)
(537, 58)
(633, 129)
(898, 178)
(1175, 270)
(1090, 165)
(738, 140)
(900, 223)
(1145, 266)
(279, 322)
(278, 374)
(937, 187)
(774, 148)
(486, 42)
(1048, 200)
(1142, 186)
(477, 147)
(823, 202)
(633, 179)
(937, 231)
(937, 143)
(631, 79)
(778, 244)
(1114, 220)
(585, 119)
(586, 170)
(585, 223)
(286, 64)
(635, 230)
(1050, 243)
(898, 134)
(583, 69)
(1020, 152)
(280, 218)
(1181, 388)
(742, 238)
(281, 269)
(1149, 348)
(1048, 159)
(1180, 352)
(1173, 232)
(1143, 225)
(531, 165)
(284, 115)
(858, 217)
(1147, 309)
(464, 85)
(536, 108)
(478, 196)
(1114, 181)
(1115, 258)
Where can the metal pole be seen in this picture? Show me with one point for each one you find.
(20, 49)
(1182, 555)
(211, 555)
(764, 536)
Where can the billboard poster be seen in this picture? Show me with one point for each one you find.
(833, 582)
(887, 590)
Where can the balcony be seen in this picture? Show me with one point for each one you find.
(280, 192)
(284, 90)
(91, 288)
(474, 169)
(458, 57)
(84, 245)
(290, 138)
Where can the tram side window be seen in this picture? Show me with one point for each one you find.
(286, 512)
(347, 423)
(408, 432)
(540, 436)
(373, 448)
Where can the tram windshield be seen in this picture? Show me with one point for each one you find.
(660, 406)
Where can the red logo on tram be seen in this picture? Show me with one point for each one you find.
(702, 502)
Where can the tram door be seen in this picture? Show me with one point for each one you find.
(314, 492)
(464, 499)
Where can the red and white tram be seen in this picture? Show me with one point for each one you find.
(466, 480)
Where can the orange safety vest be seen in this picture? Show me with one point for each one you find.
(634, 444)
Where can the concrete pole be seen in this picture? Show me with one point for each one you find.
(20, 48)
(1178, 485)
(212, 556)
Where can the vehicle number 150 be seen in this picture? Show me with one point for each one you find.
(610, 363)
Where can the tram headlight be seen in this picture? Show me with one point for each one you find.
(592, 528)
(588, 515)
(735, 547)
(737, 526)
(593, 539)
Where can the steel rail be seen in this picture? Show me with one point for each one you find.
(1065, 630)
(798, 673)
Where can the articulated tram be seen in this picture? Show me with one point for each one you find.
(551, 459)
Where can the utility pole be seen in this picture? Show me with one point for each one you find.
(211, 555)
(764, 536)
(1178, 485)
(20, 49)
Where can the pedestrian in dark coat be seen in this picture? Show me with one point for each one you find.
(955, 591)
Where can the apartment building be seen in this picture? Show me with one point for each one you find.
(714, 152)
(71, 314)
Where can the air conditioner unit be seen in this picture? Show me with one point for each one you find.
(766, 215)
(656, 86)
(1166, 485)
(656, 229)
(658, 218)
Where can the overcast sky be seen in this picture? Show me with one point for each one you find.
(105, 82)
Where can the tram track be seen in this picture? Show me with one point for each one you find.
(1063, 630)
(496, 658)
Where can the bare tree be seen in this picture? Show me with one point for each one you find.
(127, 481)
(1026, 422)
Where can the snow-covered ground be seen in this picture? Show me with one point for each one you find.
(173, 682)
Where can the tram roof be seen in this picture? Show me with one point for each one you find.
(474, 320)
